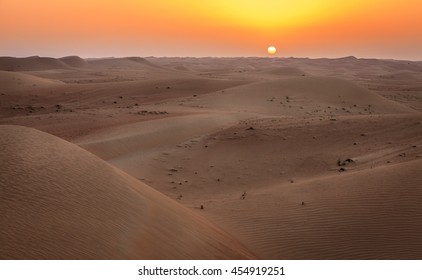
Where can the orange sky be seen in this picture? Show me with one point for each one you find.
(300, 28)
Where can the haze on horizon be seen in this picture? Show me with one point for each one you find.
(303, 28)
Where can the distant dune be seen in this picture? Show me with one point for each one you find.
(61, 202)
(276, 97)
(182, 68)
(74, 61)
(14, 81)
(36, 63)
(32, 63)
(122, 63)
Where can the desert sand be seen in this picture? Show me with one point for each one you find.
(210, 158)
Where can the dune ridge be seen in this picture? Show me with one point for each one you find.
(31, 63)
(37, 63)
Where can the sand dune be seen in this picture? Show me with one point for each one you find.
(248, 139)
(31, 63)
(182, 68)
(14, 81)
(276, 150)
(36, 63)
(158, 135)
(122, 63)
(74, 61)
(403, 75)
(371, 214)
(71, 205)
(296, 96)
(286, 71)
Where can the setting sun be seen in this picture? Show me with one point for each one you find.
(271, 50)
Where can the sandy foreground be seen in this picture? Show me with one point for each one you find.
(210, 158)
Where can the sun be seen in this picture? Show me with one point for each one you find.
(271, 50)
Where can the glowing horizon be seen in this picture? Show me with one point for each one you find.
(302, 28)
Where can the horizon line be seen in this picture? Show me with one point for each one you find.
(216, 57)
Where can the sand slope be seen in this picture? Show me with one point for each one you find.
(74, 61)
(14, 81)
(61, 202)
(299, 96)
(285, 71)
(36, 63)
(370, 214)
(123, 63)
(31, 63)
(155, 135)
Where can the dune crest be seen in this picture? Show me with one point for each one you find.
(32, 63)
(74, 61)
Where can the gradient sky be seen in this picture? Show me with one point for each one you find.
(300, 28)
